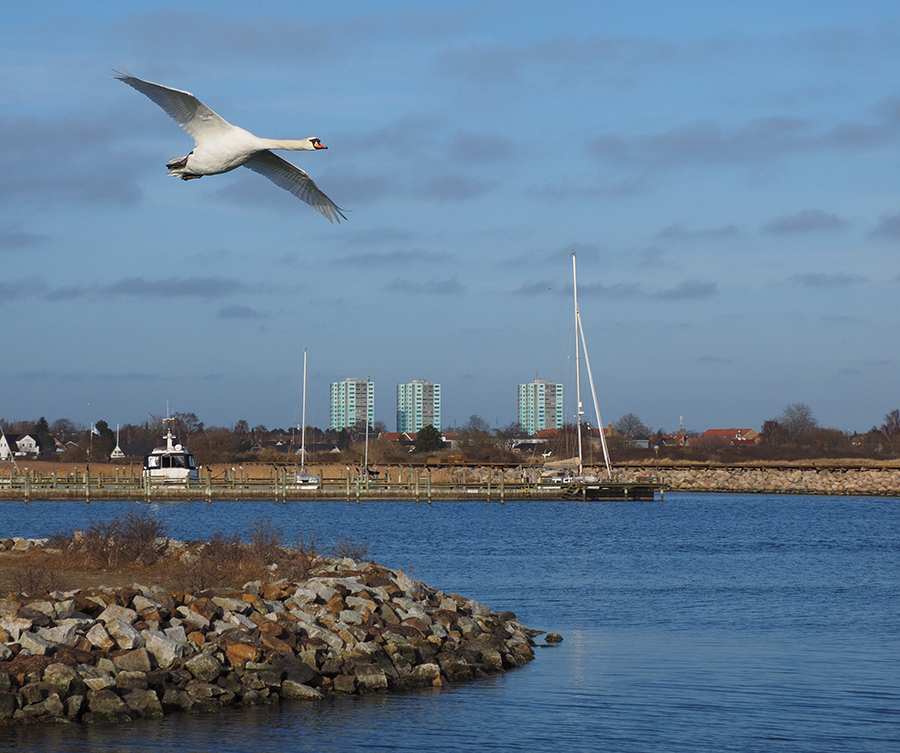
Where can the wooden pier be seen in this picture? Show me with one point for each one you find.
(418, 487)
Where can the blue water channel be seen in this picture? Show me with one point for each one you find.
(701, 623)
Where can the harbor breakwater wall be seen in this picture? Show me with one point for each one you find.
(766, 480)
(113, 655)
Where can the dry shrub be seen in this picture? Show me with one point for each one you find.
(36, 580)
(301, 560)
(137, 539)
(347, 547)
(266, 542)
(219, 562)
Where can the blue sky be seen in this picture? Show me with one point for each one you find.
(727, 173)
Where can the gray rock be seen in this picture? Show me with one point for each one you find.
(98, 637)
(371, 679)
(35, 644)
(64, 609)
(64, 635)
(297, 690)
(194, 620)
(204, 667)
(51, 706)
(115, 612)
(136, 660)
(232, 605)
(168, 652)
(140, 603)
(63, 676)
(177, 634)
(8, 705)
(14, 626)
(100, 682)
(44, 607)
(144, 703)
(125, 636)
(74, 704)
(131, 681)
(175, 699)
(426, 674)
(106, 706)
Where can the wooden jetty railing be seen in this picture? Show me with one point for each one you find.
(282, 487)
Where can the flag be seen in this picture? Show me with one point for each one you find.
(94, 430)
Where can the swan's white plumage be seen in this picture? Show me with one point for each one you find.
(220, 146)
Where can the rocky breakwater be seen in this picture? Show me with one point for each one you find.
(112, 655)
(771, 480)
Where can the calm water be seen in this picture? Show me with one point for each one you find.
(704, 623)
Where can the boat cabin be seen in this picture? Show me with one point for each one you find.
(170, 464)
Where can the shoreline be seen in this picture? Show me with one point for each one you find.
(451, 483)
(105, 655)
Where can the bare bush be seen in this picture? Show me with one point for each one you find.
(219, 562)
(36, 580)
(266, 541)
(347, 547)
(136, 539)
(300, 561)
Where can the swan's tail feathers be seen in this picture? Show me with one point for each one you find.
(177, 162)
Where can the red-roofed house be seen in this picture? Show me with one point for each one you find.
(736, 437)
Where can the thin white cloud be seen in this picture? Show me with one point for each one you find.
(804, 221)
(679, 232)
(689, 290)
(888, 227)
(431, 287)
(758, 140)
(827, 280)
(240, 312)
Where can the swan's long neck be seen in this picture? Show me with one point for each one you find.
(288, 144)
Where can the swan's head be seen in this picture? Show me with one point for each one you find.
(316, 144)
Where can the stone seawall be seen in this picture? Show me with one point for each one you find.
(765, 480)
(112, 655)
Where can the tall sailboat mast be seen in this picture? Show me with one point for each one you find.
(578, 409)
(303, 420)
(579, 333)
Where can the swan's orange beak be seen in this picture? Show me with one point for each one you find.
(320, 145)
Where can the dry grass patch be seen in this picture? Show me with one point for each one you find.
(135, 548)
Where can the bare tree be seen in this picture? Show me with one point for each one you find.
(796, 419)
(891, 428)
(631, 426)
(772, 434)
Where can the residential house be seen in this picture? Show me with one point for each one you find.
(18, 445)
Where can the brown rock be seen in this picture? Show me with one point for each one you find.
(197, 637)
(255, 601)
(165, 600)
(240, 653)
(344, 684)
(125, 595)
(336, 604)
(276, 644)
(272, 591)
(272, 628)
(137, 660)
(206, 608)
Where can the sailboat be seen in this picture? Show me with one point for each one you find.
(590, 487)
(579, 412)
(305, 480)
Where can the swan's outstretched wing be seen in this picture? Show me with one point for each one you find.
(198, 121)
(292, 178)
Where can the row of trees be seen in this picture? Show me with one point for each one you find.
(795, 432)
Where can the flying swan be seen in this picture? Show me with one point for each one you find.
(220, 147)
